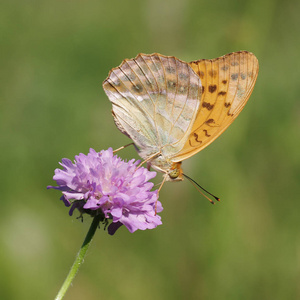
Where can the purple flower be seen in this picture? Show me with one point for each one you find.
(101, 183)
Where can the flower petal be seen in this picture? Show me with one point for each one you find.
(102, 181)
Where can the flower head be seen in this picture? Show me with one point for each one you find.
(101, 183)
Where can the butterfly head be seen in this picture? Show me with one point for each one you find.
(175, 172)
(172, 170)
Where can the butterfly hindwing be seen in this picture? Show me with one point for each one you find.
(155, 101)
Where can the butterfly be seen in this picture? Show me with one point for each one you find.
(172, 109)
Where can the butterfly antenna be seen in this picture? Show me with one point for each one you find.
(196, 185)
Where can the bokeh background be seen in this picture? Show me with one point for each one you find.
(54, 57)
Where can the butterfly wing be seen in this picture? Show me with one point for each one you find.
(227, 83)
(155, 100)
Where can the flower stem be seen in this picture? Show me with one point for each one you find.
(79, 258)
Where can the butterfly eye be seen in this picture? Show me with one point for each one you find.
(174, 173)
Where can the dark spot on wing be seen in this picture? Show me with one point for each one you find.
(227, 104)
(234, 76)
(206, 134)
(222, 93)
(201, 74)
(212, 73)
(224, 81)
(171, 84)
(170, 69)
(207, 105)
(225, 68)
(243, 76)
(138, 88)
(209, 121)
(202, 89)
(196, 138)
(212, 88)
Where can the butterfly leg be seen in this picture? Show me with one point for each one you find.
(148, 159)
(122, 147)
(161, 185)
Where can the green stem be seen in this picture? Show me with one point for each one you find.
(79, 258)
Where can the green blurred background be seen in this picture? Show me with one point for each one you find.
(54, 57)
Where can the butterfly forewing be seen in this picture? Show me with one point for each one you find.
(227, 83)
(155, 101)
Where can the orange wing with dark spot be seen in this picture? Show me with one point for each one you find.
(227, 83)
